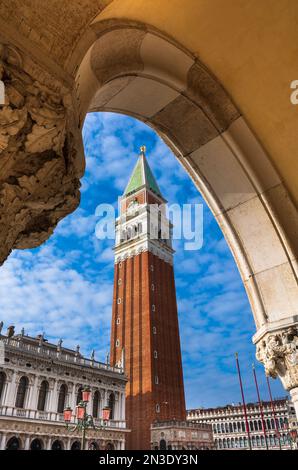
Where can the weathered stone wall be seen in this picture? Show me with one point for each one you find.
(39, 179)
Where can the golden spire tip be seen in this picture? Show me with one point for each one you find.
(143, 149)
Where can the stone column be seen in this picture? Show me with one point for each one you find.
(294, 397)
(11, 390)
(33, 393)
(73, 398)
(278, 351)
(54, 396)
(123, 406)
(27, 443)
(49, 443)
(2, 441)
(89, 408)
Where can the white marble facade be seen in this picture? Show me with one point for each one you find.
(38, 380)
(229, 427)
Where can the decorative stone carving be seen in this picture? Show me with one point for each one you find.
(39, 181)
(278, 352)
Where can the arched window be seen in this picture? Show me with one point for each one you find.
(57, 445)
(162, 444)
(110, 446)
(36, 444)
(268, 424)
(76, 445)
(93, 446)
(21, 392)
(13, 444)
(80, 395)
(96, 401)
(43, 392)
(112, 405)
(62, 398)
(2, 384)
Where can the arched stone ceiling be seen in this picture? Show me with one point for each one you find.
(173, 92)
(251, 47)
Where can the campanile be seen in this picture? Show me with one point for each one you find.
(145, 331)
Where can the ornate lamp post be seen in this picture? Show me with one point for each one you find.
(84, 421)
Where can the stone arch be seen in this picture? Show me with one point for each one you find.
(43, 395)
(22, 392)
(133, 68)
(174, 93)
(13, 443)
(57, 445)
(110, 446)
(36, 444)
(76, 445)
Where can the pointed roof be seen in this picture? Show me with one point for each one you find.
(142, 176)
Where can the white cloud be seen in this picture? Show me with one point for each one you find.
(43, 292)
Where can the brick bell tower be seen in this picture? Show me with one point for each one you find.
(145, 331)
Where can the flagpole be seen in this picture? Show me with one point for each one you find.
(273, 412)
(243, 401)
(260, 405)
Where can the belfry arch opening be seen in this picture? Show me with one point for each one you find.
(135, 70)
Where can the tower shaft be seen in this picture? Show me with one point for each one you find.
(145, 330)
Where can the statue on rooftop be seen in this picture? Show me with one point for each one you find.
(10, 331)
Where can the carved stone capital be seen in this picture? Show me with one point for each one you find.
(278, 351)
(39, 142)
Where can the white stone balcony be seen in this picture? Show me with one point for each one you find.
(53, 417)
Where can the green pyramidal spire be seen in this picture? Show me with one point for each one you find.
(142, 176)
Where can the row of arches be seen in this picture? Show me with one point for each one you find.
(23, 387)
(255, 425)
(256, 441)
(14, 443)
(131, 232)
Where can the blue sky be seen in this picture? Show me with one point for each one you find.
(64, 288)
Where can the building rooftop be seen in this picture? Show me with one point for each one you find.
(41, 347)
(277, 401)
(142, 176)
